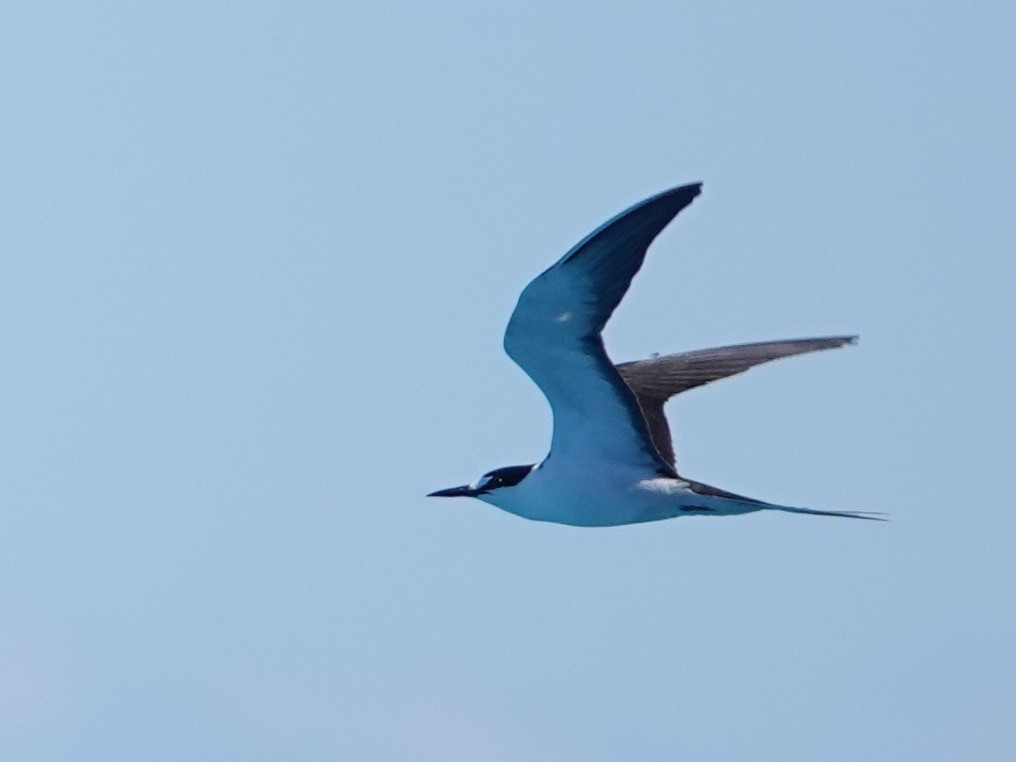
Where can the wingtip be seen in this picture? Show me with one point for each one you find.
(833, 342)
(694, 188)
(679, 196)
(689, 190)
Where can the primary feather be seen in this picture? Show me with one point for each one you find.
(657, 379)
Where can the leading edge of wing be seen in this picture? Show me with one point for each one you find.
(615, 251)
(554, 335)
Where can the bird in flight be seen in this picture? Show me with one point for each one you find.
(611, 458)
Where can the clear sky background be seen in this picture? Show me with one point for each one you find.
(256, 260)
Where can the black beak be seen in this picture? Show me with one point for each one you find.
(463, 491)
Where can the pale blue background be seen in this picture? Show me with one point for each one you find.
(255, 263)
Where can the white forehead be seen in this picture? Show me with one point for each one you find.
(482, 482)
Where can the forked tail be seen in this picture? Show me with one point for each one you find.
(870, 515)
(757, 505)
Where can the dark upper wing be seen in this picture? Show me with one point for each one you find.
(657, 379)
(554, 336)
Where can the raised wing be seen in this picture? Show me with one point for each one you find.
(656, 380)
(554, 336)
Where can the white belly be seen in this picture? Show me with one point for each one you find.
(604, 497)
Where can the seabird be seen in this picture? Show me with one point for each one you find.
(611, 459)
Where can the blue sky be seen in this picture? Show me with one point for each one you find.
(257, 261)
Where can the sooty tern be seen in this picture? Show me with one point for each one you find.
(611, 460)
